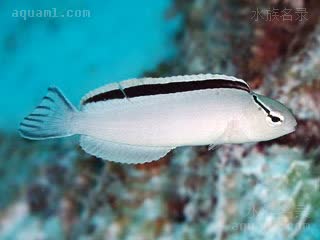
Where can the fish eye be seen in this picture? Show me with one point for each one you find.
(275, 118)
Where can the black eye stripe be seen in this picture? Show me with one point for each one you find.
(255, 98)
(268, 112)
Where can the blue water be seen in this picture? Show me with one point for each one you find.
(120, 40)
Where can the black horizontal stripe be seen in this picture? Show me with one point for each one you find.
(167, 88)
(113, 94)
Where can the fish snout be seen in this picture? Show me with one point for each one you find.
(292, 126)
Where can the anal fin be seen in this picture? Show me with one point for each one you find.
(122, 153)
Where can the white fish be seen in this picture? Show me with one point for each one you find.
(141, 120)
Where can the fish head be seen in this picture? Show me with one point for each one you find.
(272, 119)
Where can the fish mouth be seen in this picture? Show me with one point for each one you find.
(292, 128)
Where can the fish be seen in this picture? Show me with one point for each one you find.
(141, 120)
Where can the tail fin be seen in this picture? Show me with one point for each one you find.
(51, 119)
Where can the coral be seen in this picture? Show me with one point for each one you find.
(274, 193)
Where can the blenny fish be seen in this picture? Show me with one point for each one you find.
(141, 120)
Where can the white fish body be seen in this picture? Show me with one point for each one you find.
(141, 120)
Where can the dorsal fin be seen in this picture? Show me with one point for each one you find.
(119, 90)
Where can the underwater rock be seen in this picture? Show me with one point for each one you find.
(38, 198)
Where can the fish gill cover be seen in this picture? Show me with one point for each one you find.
(270, 190)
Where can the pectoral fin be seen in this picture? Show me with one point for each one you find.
(212, 147)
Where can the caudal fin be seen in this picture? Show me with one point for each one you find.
(52, 118)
